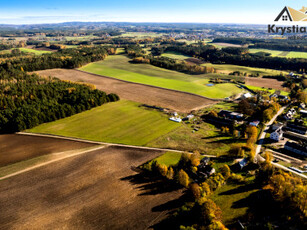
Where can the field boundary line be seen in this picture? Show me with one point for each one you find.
(52, 161)
(103, 143)
(157, 87)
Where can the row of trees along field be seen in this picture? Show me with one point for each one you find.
(66, 58)
(236, 56)
(29, 100)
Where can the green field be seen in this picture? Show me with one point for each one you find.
(228, 196)
(118, 66)
(175, 55)
(293, 54)
(265, 89)
(279, 53)
(225, 68)
(38, 52)
(121, 122)
(207, 140)
(168, 158)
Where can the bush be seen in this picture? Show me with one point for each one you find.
(183, 178)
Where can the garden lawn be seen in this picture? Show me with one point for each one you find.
(121, 122)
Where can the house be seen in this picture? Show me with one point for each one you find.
(243, 163)
(283, 97)
(277, 135)
(176, 119)
(254, 123)
(296, 148)
(246, 95)
(289, 114)
(303, 113)
(189, 117)
(203, 169)
(231, 115)
(302, 106)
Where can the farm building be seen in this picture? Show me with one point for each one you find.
(295, 136)
(296, 128)
(176, 119)
(296, 148)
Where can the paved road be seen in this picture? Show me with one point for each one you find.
(266, 128)
(261, 139)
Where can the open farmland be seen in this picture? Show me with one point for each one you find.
(35, 51)
(279, 53)
(265, 82)
(119, 67)
(175, 55)
(178, 101)
(96, 190)
(226, 69)
(121, 122)
(15, 148)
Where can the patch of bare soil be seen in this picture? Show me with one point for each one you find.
(265, 82)
(15, 148)
(179, 101)
(96, 190)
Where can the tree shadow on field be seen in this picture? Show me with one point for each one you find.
(227, 141)
(150, 184)
(212, 137)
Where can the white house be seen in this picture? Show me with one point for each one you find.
(246, 95)
(277, 135)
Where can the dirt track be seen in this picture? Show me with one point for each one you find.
(171, 99)
(97, 190)
(14, 148)
(265, 82)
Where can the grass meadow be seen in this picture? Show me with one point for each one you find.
(119, 67)
(121, 122)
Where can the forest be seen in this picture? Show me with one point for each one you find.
(29, 100)
(238, 56)
(66, 58)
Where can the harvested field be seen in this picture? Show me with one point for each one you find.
(96, 190)
(265, 82)
(15, 148)
(171, 99)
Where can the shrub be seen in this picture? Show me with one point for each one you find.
(183, 178)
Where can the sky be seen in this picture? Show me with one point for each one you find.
(199, 11)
